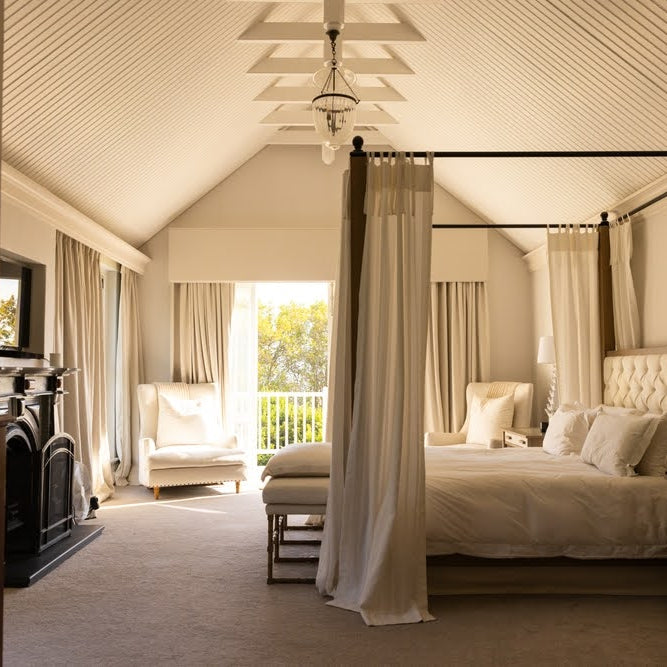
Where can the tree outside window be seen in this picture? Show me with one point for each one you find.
(292, 357)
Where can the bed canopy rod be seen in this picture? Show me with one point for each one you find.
(358, 143)
(603, 219)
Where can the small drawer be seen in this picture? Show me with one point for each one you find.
(515, 439)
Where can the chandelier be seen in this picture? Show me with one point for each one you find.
(335, 108)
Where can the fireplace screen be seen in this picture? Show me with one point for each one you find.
(39, 489)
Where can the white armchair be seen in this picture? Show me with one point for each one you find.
(523, 407)
(194, 452)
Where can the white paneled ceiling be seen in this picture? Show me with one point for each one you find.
(130, 110)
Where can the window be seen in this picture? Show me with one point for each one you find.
(279, 364)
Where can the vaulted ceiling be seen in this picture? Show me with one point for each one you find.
(131, 110)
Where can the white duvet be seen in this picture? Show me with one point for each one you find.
(502, 503)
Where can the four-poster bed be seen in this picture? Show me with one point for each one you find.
(358, 159)
(347, 454)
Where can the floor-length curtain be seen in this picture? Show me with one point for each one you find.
(339, 407)
(626, 313)
(573, 281)
(242, 387)
(129, 374)
(457, 351)
(79, 334)
(376, 563)
(202, 334)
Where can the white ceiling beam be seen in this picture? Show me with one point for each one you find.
(314, 32)
(305, 118)
(334, 11)
(307, 137)
(367, 66)
(306, 94)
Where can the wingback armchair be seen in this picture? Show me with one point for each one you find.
(523, 407)
(181, 441)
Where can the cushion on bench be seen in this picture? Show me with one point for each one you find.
(312, 459)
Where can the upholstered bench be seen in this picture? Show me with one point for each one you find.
(298, 485)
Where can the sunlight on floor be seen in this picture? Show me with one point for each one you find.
(136, 496)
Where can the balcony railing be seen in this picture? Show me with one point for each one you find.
(281, 418)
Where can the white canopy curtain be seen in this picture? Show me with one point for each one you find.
(457, 351)
(573, 280)
(203, 317)
(624, 298)
(129, 374)
(79, 335)
(373, 556)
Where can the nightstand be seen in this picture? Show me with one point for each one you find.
(522, 437)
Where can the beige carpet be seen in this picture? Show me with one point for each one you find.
(182, 582)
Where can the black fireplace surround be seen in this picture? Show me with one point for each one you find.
(40, 463)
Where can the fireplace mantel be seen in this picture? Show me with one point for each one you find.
(30, 381)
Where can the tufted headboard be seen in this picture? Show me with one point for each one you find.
(637, 380)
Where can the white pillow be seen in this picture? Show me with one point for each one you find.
(312, 459)
(187, 422)
(488, 418)
(616, 443)
(589, 413)
(615, 410)
(566, 432)
(654, 461)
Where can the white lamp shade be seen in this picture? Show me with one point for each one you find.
(546, 352)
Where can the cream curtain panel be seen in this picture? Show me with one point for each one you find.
(457, 351)
(626, 312)
(373, 557)
(202, 335)
(79, 335)
(129, 374)
(573, 281)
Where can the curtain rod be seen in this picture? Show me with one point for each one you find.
(358, 143)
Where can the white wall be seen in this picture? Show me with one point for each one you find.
(290, 188)
(25, 236)
(510, 303)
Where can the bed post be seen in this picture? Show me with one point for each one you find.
(607, 339)
(357, 234)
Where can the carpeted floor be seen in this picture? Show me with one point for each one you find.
(182, 582)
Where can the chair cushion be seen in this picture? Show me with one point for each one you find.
(187, 422)
(312, 459)
(488, 418)
(296, 491)
(193, 456)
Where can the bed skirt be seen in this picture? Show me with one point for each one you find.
(469, 575)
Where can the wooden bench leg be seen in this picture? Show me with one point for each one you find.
(238, 486)
(156, 492)
(269, 550)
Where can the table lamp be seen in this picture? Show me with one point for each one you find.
(546, 354)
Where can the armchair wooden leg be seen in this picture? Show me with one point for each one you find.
(238, 486)
(156, 492)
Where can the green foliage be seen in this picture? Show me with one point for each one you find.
(8, 321)
(292, 357)
(263, 459)
(292, 354)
